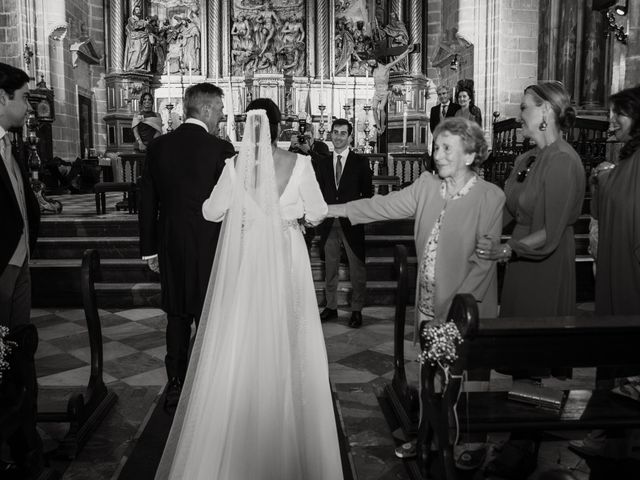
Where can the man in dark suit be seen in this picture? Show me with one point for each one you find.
(347, 177)
(445, 108)
(19, 209)
(181, 169)
(20, 218)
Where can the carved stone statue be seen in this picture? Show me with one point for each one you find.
(137, 51)
(380, 73)
(397, 33)
(190, 46)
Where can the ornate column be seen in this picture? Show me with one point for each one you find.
(567, 46)
(549, 21)
(593, 59)
(214, 38)
(226, 48)
(397, 7)
(415, 15)
(312, 66)
(116, 27)
(322, 40)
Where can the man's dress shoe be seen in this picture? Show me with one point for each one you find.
(328, 314)
(356, 320)
(172, 397)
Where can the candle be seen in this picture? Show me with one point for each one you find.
(404, 126)
(322, 89)
(169, 87)
(190, 77)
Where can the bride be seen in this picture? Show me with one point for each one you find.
(257, 401)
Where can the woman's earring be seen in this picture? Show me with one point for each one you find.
(543, 125)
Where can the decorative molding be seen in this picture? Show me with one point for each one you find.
(85, 51)
(451, 44)
(59, 32)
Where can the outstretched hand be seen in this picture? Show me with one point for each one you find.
(338, 210)
(154, 264)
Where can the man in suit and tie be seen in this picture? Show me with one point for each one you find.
(20, 219)
(181, 169)
(19, 209)
(346, 177)
(445, 108)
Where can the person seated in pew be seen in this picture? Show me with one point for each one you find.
(545, 192)
(453, 209)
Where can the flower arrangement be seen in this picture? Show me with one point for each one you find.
(441, 343)
(5, 349)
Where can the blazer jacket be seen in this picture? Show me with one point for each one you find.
(434, 118)
(355, 183)
(12, 221)
(180, 171)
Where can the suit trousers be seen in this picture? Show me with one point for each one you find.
(15, 295)
(357, 270)
(178, 338)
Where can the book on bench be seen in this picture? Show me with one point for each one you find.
(537, 395)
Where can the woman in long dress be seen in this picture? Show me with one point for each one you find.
(257, 401)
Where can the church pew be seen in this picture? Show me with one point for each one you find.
(524, 343)
(85, 410)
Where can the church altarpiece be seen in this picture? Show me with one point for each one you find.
(313, 58)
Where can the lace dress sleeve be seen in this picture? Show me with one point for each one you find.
(315, 208)
(215, 207)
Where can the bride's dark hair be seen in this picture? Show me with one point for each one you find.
(273, 114)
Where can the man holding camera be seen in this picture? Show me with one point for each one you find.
(305, 144)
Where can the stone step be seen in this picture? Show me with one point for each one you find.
(126, 226)
(130, 295)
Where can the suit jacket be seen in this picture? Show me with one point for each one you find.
(12, 221)
(434, 118)
(355, 183)
(181, 169)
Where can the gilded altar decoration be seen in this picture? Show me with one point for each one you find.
(268, 37)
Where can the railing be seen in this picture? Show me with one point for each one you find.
(588, 137)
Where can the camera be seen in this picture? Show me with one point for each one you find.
(302, 128)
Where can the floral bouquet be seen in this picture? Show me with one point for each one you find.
(441, 343)
(5, 349)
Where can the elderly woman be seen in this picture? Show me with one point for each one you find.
(453, 211)
(544, 193)
(147, 125)
(468, 109)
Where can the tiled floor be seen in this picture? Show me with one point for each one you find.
(361, 363)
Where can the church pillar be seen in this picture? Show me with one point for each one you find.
(415, 34)
(397, 7)
(312, 67)
(570, 47)
(322, 39)
(116, 30)
(214, 36)
(548, 39)
(226, 48)
(593, 59)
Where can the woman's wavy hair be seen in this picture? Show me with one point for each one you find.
(273, 114)
(627, 102)
(559, 99)
(470, 134)
(145, 95)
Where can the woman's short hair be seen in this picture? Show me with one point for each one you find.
(273, 114)
(470, 134)
(559, 99)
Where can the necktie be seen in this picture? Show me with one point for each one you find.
(444, 111)
(338, 170)
(6, 147)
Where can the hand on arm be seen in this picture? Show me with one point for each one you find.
(337, 210)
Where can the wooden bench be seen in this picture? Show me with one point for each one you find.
(86, 409)
(525, 343)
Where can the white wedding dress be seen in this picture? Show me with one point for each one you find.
(257, 402)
